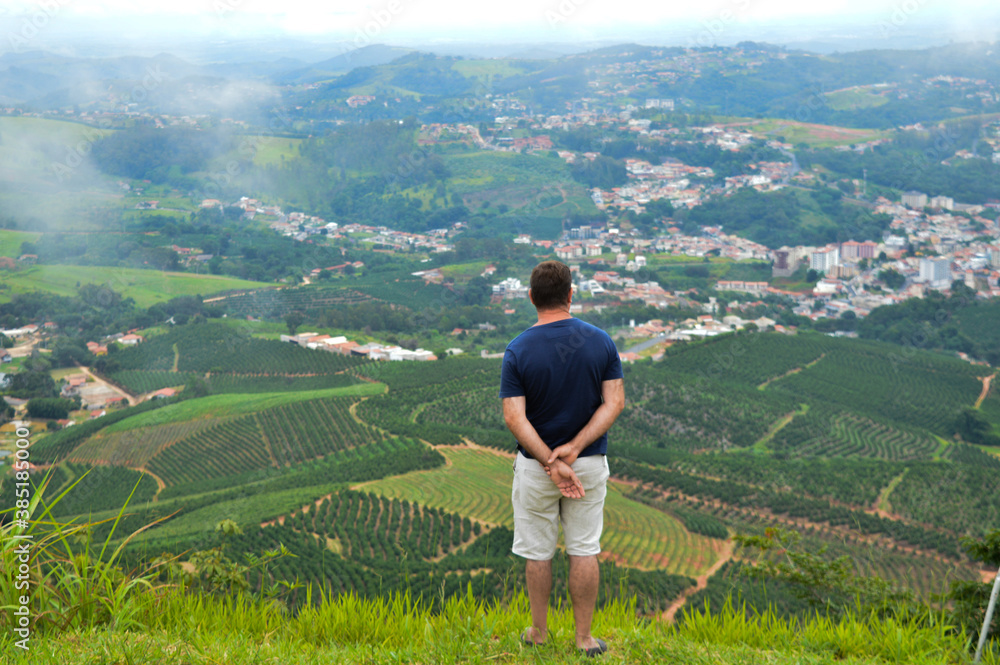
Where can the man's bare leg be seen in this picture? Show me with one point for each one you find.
(539, 578)
(584, 580)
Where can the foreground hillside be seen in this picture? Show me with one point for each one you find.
(392, 477)
(198, 630)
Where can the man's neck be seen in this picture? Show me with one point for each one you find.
(552, 315)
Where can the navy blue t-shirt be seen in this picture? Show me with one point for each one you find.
(559, 367)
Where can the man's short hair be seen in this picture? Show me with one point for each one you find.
(551, 284)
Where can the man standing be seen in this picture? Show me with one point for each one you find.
(562, 389)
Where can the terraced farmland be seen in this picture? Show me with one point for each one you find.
(477, 483)
(473, 482)
(281, 436)
(136, 447)
(880, 381)
(369, 526)
(823, 432)
(143, 381)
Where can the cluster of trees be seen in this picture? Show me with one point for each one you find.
(775, 219)
(54, 408)
(924, 161)
(973, 427)
(602, 171)
(956, 322)
(159, 155)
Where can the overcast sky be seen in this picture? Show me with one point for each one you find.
(401, 21)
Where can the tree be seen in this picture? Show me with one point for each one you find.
(293, 320)
(891, 278)
(973, 427)
(54, 408)
(25, 385)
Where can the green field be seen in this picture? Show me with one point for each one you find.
(272, 149)
(477, 483)
(146, 287)
(815, 136)
(10, 241)
(487, 68)
(855, 98)
(236, 404)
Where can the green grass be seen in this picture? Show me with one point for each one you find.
(272, 149)
(815, 136)
(199, 630)
(854, 98)
(487, 68)
(464, 271)
(10, 241)
(476, 483)
(232, 404)
(64, 372)
(146, 287)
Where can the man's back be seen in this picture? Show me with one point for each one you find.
(559, 368)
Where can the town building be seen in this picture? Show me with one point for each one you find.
(823, 260)
(914, 200)
(935, 270)
(857, 250)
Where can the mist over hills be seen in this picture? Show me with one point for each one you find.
(778, 86)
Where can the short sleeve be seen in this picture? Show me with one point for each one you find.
(510, 377)
(613, 370)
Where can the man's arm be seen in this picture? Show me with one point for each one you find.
(514, 414)
(613, 393)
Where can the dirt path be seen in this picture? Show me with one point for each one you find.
(701, 582)
(160, 485)
(782, 422)
(24, 349)
(882, 508)
(987, 380)
(509, 454)
(794, 370)
(132, 399)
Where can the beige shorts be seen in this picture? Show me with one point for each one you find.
(539, 508)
